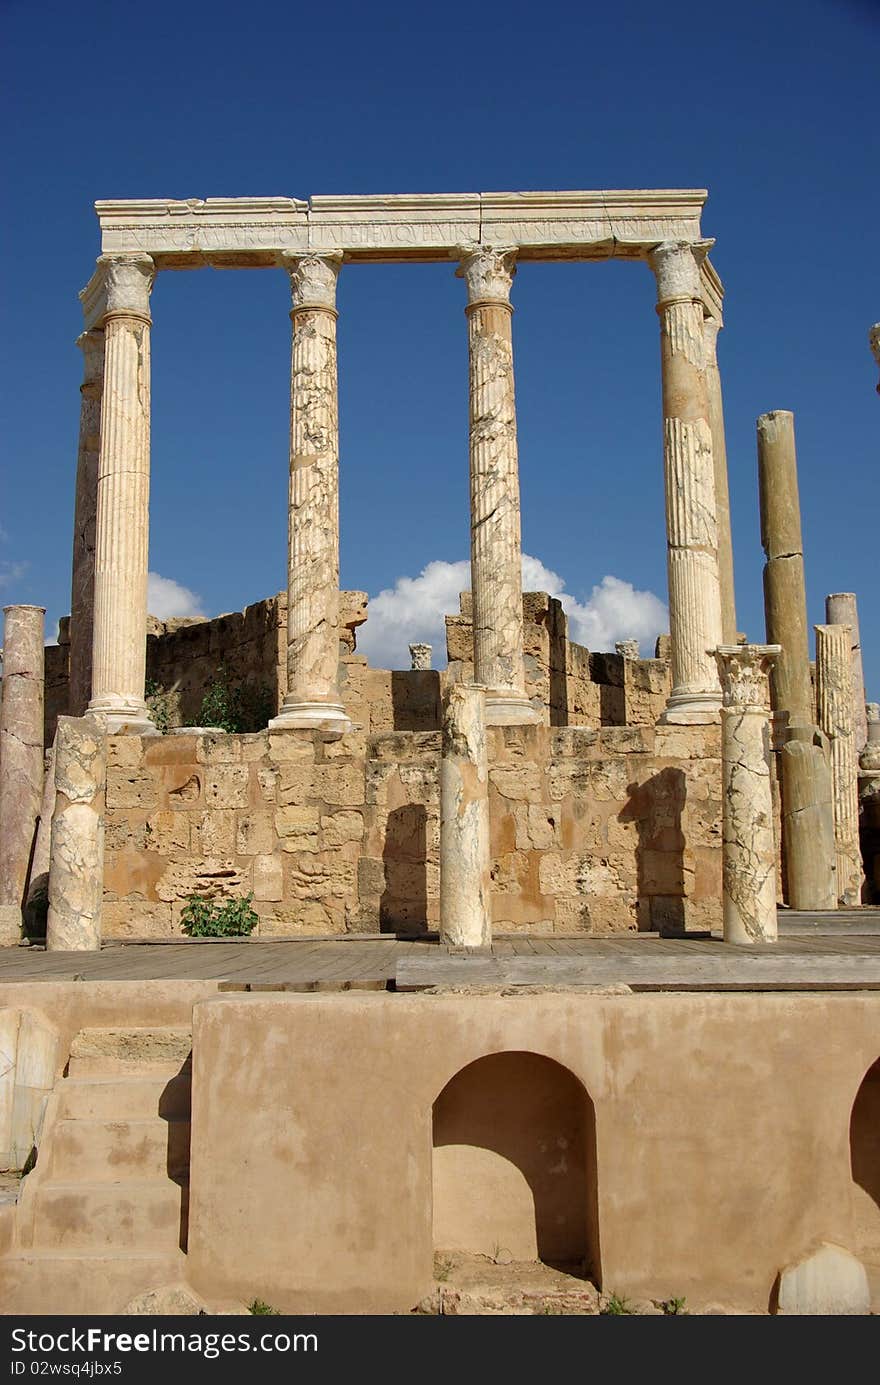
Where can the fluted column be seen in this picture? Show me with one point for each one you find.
(748, 850)
(313, 697)
(711, 327)
(834, 705)
(496, 546)
(841, 608)
(82, 586)
(691, 521)
(21, 758)
(118, 298)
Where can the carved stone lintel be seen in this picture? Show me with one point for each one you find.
(313, 279)
(488, 273)
(676, 267)
(743, 670)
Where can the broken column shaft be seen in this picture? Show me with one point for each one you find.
(21, 758)
(465, 862)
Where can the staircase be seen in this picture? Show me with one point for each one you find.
(103, 1216)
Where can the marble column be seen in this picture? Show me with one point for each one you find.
(874, 339)
(808, 820)
(834, 701)
(21, 758)
(313, 697)
(748, 848)
(496, 548)
(841, 609)
(118, 299)
(76, 866)
(465, 862)
(691, 521)
(785, 602)
(711, 326)
(82, 586)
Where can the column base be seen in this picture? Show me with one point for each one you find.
(506, 709)
(686, 708)
(125, 717)
(321, 716)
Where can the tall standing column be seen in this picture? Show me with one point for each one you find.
(711, 327)
(82, 585)
(748, 848)
(118, 298)
(21, 758)
(496, 545)
(841, 609)
(76, 865)
(834, 700)
(691, 520)
(313, 697)
(465, 862)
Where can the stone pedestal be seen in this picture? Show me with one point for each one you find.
(465, 862)
(21, 758)
(691, 521)
(118, 299)
(785, 602)
(748, 848)
(808, 821)
(841, 608)
(82, 585)
(313, 697)
(711, 327)
(420, 657)
(76, 869)
(496, 551)
(834, 705)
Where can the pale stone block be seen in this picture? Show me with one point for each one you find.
(295, 784)
(214, 834)
(292, 745)
(218, 748)
(268, 879)
(215, 879)
(339, 784)
(10, 1020)
(830, 1282)
(522, 783)
(255, 833)
(125, 752)
(36, 1062)
(227, 786)
(342, 827)
(130, 787)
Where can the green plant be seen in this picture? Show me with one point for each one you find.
(158, 701)
(262, 1309)
(675, 1307)
(616, 1304)
(234, 918)
(235, 707)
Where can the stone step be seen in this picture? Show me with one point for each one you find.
(153, 1050)
(101, 1150)
(111, 1097)
(101, 1217)
(73, 1282)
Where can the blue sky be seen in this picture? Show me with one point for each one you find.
(768, 105)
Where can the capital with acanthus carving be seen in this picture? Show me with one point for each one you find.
(743, 670)
(120, 287)
(488, 273)
(313, 278)
(676, 266)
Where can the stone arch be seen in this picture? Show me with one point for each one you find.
(514, 1163)
(864, 1147)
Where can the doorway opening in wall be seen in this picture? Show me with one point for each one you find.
(514, 1168)
(864, 1143)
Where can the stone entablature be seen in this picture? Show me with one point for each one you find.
(233, 232)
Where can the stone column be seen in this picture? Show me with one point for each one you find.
(711, 326)
(869, 802)
(807, 820)
(834, 699)
(496, 551)
(748, 849)
(118, 298)
(313, 697)
(76, 867)
(785, 602)
(420, 656)
(874, 339)
(465, 862)
(21, 758)
(82, 586)
(841, 609)
(691, 522)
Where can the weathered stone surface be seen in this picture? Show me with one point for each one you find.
(465, 880)
(227, 787)
(420, 656)
(711, 328)
(21, 753)
(841, 608)
(82, 594)
(834, 706)
(214, 879)
(830, 1282)
(297, 828)
(268, 878)
(171, 1300)
(808, 821)
(76, 868)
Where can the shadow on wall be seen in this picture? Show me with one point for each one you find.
(415, 699)
(656, 808)
(403, 906)
(514, 1164)
(864, 1145)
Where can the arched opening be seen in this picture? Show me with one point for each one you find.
(514, 1166)
(864, 1146)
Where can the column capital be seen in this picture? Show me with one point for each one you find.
(676, 265)
(743, 670)
(91, 344)
(488, 271)
(313, 278)
(119, 287)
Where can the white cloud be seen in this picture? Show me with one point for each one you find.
(414, 608)
(167, 598)
(11, 572)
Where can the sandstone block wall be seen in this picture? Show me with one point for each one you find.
(603, 830)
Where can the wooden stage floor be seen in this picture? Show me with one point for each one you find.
(839, 951)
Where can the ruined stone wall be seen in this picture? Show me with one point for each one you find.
(603, 830)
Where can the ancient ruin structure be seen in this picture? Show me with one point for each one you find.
(21, 758)
(841, 609)
(834, 704)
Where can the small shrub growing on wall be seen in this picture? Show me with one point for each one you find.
(234, 918)
(235, 707)
(158, 702)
